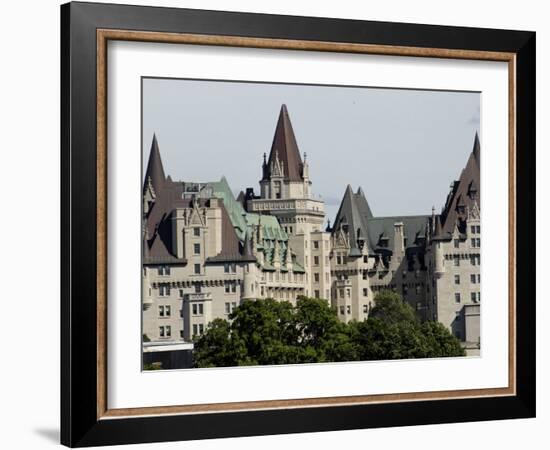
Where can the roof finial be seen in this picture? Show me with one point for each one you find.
(265, 162)
(305, 156)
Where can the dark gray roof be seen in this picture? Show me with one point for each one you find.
(381, 230)
(355, 217)
(169, 196)
(285, 147)
(352, 217)
(155, 171)
(464, 194)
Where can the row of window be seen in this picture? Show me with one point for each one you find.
(276, 276)
(347, 309)
(474, 242)
(475, 260)
(316, 277)
(317, 245)
(474, 278)
(474, 297)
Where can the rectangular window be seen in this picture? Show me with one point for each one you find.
(316, 260)
(456, 261)
(479, 296)
(233, 306)
(473, 240)
(473, 278)
(197, 249)
(478, 242)
(201, 328)
(164, 270)
(341, 310)
(195, 309)
(195, 329)
(316, 277)
(479, 278)
(348, 309)
(473, 229)
(457, 297)
(457, 243)
(365, 309)
(233, 287)
(227, 288)
(478, 229)
(167, 311)
(226, 268)
(316, 245)
(164, 290)
(457, 279)
(161, 331)
(473, 260)
(227, 308)
(201, 309)
(473, 296)
(364, 275)
(197, 288)
(197, 269)
(168, 331)
(196, 231)
(161, 311)
(317, 294)
(181, 334)
(338, 260)
(365, 292)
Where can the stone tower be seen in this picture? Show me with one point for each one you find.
(285, 192)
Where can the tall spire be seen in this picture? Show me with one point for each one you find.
(155, 171)
(284, 146)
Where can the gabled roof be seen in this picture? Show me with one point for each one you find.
(154, 171)
(285, 148)
(465, 193)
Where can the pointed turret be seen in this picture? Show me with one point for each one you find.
(464, 193)
(352, 218)
(285, 149)
(477, 147)
(155, 172)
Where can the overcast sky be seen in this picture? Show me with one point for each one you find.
(404, 147)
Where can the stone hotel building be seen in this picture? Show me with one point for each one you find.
(205, 251)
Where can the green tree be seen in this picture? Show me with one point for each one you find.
(440, 341)
(261, 332)
(393, 331)
(220, 347)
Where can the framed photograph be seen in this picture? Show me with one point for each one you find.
(277, 224)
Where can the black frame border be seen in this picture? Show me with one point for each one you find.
(79, 423)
